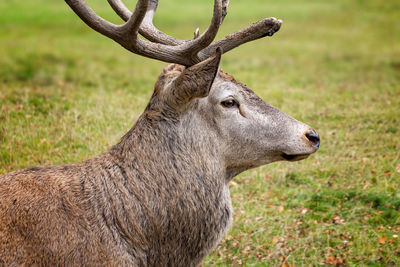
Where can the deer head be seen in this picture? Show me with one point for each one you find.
(194, 94)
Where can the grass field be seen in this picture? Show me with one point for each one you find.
(67, 94)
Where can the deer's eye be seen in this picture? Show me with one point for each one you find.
(230, 103)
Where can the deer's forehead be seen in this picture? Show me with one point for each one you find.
(232, 87)
(223, 89)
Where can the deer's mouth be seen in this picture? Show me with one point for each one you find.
(294, 157)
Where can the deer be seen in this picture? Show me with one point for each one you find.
(160, 196)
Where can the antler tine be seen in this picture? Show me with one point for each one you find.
(133, 23)
(260, 29)
(225, 4)
(120, 9)
(133, 43)
(193, 46)
(147, 29)
(115, 32)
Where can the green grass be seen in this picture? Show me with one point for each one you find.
(67, 94)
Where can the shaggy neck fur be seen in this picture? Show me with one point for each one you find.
(152, 162)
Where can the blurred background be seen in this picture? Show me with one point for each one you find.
(67, 93)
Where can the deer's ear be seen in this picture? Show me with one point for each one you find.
(196, 81)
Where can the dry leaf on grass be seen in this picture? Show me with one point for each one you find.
(285, 264)
(382, 240)
(275, 239)
(333, 260)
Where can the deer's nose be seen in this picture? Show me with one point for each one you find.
(313, 137)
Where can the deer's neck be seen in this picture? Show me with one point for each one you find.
(173, 187)
(173, 148)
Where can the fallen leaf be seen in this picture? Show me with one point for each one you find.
(338, 220)
(366, 185)
(333, 260)
(382, 240)
(285, 264)
(280, 208)
(330, 259)
(387, 173)
(246, 250)
(275, 239)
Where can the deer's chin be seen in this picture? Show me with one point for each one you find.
(294, 157)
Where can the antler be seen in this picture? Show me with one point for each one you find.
(162, 46)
